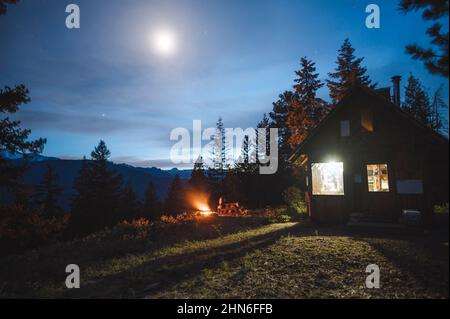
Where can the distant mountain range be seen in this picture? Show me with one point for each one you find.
(68, 170)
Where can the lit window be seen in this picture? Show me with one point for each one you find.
(345, 128)
(377, 178)
(328, 178)
(367, 120)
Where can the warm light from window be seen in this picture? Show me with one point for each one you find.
(377, 178)
(328, 178)
(367, 120)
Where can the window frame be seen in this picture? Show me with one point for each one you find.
(388, 179)
(329, 194)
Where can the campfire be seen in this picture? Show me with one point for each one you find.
(200, 202)
(204, 209)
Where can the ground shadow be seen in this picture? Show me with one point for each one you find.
(165, 272)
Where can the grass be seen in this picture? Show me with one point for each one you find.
(233, 258)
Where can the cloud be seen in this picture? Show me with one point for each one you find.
(73, 123)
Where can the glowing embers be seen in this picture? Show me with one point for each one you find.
(328, 178)
(200, 202)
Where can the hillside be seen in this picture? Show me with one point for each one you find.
(67, 170)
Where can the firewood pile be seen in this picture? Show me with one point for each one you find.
(231, 209)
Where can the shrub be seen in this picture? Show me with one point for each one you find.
(441, 209)
(277, 215)
(136, 229)
(25, 228)
(180, 218)
(293, 197)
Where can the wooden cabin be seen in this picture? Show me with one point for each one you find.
(369, 158)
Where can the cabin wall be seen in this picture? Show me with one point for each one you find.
(394, 141)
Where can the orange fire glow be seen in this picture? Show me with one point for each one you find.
(200, 202)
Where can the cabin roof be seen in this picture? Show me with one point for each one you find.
(383, 102)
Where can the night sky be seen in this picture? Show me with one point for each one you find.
(232, 59)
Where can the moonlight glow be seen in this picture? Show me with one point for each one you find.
(164, 42)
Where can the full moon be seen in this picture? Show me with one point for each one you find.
(164, 42)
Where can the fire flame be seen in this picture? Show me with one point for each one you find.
(200, 202)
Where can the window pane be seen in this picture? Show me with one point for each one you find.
(345, 128)
(328, 178)
(377, 178)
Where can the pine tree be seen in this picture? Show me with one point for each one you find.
(306, 110)
(130, 203)
(258, 154)
(217, 170)
(439, 123)
(48, 192)
(107, 185)
(436, 58)
(151, 206)
(198, 181)
(98, 193)
(219, 152)
(83, 219)
(175, 201)
(417, 102)
(349, 73)
(14, 139)
(245, 155)
(279, 117)
(243, 178)
(3, 4)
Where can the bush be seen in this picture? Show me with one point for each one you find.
(180, 218)
(25, 228)
(293, 198)
(278, 215)
(441, 209)
(136, 229)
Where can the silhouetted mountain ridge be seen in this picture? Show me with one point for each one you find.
(68, 170)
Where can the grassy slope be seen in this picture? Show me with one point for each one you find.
(232, 258)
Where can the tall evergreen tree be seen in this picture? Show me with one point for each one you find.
(435, 58)
(279, 116)
(175, 201)
(244, 175)
(256, 154)
(219, 157)
(348, 73)
(130, 205)
(439, 107)
(151, 206)
(417, 102)
(219, 152)
(48, 192)
(198, 181)
(83, 219)
(98, 193)
(306, 109)
(3, 4)
(107, 185)
(14, 140)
